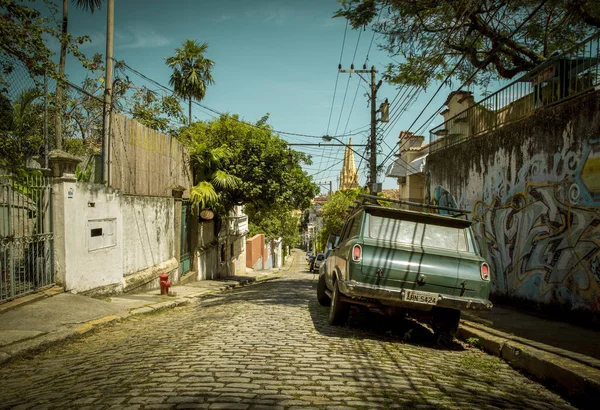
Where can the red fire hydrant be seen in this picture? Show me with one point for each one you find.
(165, 283)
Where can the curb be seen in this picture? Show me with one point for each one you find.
(580, 382)
(42, 342)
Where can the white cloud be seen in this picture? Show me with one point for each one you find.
(269, 14)
(139, 36)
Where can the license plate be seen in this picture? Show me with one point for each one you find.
(417, 296)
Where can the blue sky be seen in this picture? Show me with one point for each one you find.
(271, 56)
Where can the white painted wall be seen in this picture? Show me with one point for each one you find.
(78, 267)
(109, 242)
(148, 234)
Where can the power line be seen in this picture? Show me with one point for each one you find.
(345, 92)
(336, 79)
(165, 88)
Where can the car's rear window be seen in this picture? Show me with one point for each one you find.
(417, 233)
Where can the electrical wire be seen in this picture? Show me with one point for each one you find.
(218, 113)
(336, 79)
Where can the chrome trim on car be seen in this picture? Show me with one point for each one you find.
(394, 297)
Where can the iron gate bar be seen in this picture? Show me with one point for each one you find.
(26, 237)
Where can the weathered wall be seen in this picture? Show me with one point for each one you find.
(534, 188)
(107, 242)
(144, 161)
(148, 234)
(79, 208)
(148, 240)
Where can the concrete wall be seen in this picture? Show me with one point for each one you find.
(79, 208)
(148, 240)
(534, 189)
(107, 242)
(148, 234)
(254, 252)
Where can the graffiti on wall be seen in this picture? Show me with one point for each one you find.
(541, 233)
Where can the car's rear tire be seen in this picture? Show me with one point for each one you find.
(445, 324)
(322, 297)
(339, 309)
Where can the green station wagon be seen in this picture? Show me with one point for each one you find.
(425, 264)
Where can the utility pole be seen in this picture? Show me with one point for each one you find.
(373, 137)
(108, 83)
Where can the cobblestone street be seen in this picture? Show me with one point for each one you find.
(266, 346)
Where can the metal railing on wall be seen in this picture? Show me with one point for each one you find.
(556, 80)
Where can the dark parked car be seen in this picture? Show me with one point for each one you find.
(392, 259)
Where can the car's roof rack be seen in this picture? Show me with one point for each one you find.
(457, 212)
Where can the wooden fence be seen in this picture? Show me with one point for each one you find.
(145, 161)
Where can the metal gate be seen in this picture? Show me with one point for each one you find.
(186, 238)
(26, 237)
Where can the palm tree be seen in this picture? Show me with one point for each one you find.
(191, 72)
(90, 5)
(210, 179)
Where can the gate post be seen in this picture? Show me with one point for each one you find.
(63, 167)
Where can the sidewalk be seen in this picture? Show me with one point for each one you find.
(559, 354)
(33, 323)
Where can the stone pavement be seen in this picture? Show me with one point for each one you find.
(559, 354)
(279, 320)
(37, 321)
(266, 346)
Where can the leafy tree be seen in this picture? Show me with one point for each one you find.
(335, 211)
(159, 112)
(90, 5)
(211, 181)
(191, 72)
(22, 32)
(429, 34)
(272, 180)
(274, 223)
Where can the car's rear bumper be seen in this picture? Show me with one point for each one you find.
(395, 297)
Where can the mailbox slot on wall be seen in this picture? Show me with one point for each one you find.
(101, 233)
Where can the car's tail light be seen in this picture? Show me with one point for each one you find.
(485, 271)
(356, 253)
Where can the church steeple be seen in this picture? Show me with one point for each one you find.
(349, 174)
